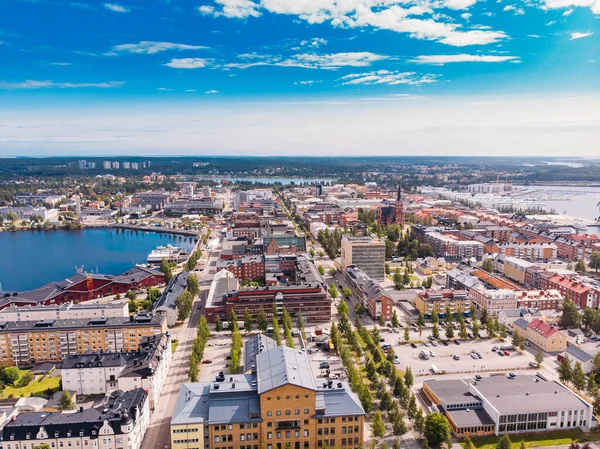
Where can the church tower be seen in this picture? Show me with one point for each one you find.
(399, 209)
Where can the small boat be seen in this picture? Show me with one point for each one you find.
(169, 252)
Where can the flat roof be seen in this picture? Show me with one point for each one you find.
(470, 417)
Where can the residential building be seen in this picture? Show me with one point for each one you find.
(115, 165)
(248, 268)
(166, 304)
(275, 404)
(514, 268)
(499, 404)
(84, 287)
(30, 212)
(366, 253)
(188, 207)
(284, 243)
(31, 342)
(126, 165)
(30, 199)
(152, 200)
(440, 299)
(540, 299)
(105, 372)
(65, 311)
(120, 423)
(489, 188)
(543, 335)
(375, 300)
(451, 248)
(106, 165)
(461, 280)
(305, 293)
(493, 300)
(584, 294)
(536, 252)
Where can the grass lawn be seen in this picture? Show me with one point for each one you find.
(32, 388)
(541, 439)
(174, 344)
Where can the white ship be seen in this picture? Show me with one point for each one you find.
(169, 252)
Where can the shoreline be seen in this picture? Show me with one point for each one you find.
(156, 229)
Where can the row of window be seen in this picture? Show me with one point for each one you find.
(185, 430)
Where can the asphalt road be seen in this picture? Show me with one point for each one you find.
(158, 433)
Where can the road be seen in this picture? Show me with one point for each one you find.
(158, 433)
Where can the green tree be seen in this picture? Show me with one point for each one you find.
(434, 317)
(41, 446)
(184, 302)
(468, 444)
(234, 363)
(132, 306)
(165, 268)
(321, 270)
(408, 377)
(11, 374)
(130, 295)
(449, 330)
(595, 260)
(435, 332)
(399, 425)
(488, 265)
(484, 317)
(153, 294)
(564, 370)
(300, 322)
(25, 379)
(522, 446)
(261, 320)
(346, 292)
(539, 357)
(332, 271)
(381, 320)
(276, 331)
(419, 422)
(248, 320)
(437, 429)
(395, 320)
(570, 318)
(377, 425)
(387, 268)
(504, 442)
(476, 329)
(342, 307)
(12, 217)
(311, 252)
(406, 334)
(333, 291)
(421, 319)
(578, 378)
(580, 266)
(66, 402)
(192, 285)
(218, 324)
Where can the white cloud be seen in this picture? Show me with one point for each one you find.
(309, 60)
(467, 16)
(447, 59)
(165, 89)
(594, 5)
(534, 36)
(568, 12)
(115, 7)
(458, 4)
(60, 64)
(517, 11)
(152, 47)
(418, 20)
(212, 91)
(388, 77)
(552, 22)
(35, 84)
(306, 82)
(190, 90)
(232, 9)
(187, 63)
(315, 42)
(578, 35)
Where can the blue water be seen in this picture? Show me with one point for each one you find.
(29, 259)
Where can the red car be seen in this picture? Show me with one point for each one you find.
(207, 361)
(506, 353)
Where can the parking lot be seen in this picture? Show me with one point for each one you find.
(444, 360)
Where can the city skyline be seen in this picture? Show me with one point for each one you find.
(361, 77)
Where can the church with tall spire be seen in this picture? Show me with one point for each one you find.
(392, 212)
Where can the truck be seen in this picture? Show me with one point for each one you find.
(424, 355)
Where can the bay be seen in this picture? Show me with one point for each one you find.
(30, 259)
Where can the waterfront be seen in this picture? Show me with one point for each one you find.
(39, 257)
(567, 200)
(265, 180)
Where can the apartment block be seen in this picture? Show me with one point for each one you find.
(120, 423)
(51, 340)
(277, 403)
(104, 372)
(543, 335)
(66, 311)
(375, 300)
(536, 252)
(493, 300)
(439, 299)
(366, 253)
(451, 248)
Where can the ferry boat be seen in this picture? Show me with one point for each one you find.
(169, 252)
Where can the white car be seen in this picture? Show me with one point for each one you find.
(431, 353)
(334, 376)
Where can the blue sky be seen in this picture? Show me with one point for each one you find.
(82, 77)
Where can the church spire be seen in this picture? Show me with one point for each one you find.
(399, 196)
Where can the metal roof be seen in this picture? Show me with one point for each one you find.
(281, 366)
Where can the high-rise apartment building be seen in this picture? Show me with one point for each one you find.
(366, 253)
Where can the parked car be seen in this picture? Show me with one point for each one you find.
(396, 362)
(534, 364)
(334, 376)
(512, 375)
(323, 365)
(206, 361)
(414, 345)
(456, 342)
(477, 377)
(495, 348)
(506, 353)
(426, 344)
(431, 353)
(396, 331)
(446, 342)
(500, 353)
(434, 343)
(382, 340)
(456, 357)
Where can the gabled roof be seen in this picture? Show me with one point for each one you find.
(578, 354)
(522, 323)
(542, 328)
